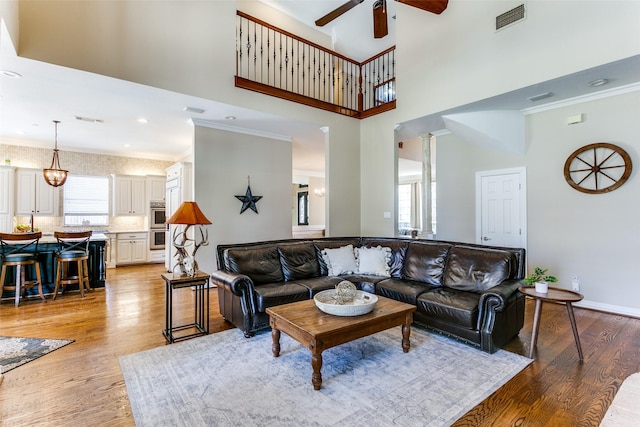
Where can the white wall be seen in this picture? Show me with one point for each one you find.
(222, 162)
(573, 233)
(452, 59)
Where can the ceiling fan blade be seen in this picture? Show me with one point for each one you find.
(337, 12)
(433, 6)
(380, 28)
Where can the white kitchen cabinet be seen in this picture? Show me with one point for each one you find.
(129, 195)
(6, 199)
(156, 187)
(131, 248)
(179, 189)
(34, 195)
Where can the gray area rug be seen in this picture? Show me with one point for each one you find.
(225, 379)
(15, 352)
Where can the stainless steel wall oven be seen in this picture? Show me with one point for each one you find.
(157, 219)
(157, 238)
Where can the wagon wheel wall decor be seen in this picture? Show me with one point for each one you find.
(597, 168)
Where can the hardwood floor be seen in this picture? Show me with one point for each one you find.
(81, 384)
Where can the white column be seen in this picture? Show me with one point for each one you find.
(427, 220)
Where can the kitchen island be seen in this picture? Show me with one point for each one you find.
(46, 255)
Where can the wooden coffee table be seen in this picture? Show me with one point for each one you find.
(318, 331)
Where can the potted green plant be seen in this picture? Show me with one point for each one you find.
(540, 279)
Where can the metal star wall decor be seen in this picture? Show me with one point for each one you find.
(248, 200)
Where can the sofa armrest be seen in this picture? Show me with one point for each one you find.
(495, 302)
(241, 286)
(498, 296)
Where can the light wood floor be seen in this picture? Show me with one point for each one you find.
(81, 384)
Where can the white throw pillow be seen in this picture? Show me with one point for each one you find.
(340, 260)
(374, 261)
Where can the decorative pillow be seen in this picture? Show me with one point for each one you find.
(374, 261)
(340, 260)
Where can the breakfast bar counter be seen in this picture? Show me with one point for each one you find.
(46, 255)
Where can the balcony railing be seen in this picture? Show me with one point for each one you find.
(277, 63)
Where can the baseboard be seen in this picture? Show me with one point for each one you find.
(608, 308)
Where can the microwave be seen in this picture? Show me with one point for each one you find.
(157, 215)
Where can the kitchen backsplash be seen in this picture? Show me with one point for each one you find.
(83, 164)
(49, 224)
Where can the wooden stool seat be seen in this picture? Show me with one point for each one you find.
(20, 251)
(73, 248)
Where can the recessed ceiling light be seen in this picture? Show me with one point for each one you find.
(540, 96)
(194, 110)
(598, 82)
(12, 74)
(230, 117)
(143, 120)
(127, 145)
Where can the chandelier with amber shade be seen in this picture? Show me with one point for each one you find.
(55, 175)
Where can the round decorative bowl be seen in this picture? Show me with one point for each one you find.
(328, 302)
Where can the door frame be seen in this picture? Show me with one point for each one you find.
(522, 171)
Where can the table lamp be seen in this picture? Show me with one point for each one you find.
(188, 214)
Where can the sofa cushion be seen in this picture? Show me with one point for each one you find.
(476, 269)
(331, 243)
(373, 261)
(364, 282)
(340, 260)
(425, 262)
(318, 284)
(398, 251)
(401, 290)
(298, 261)
(450, 305)
(273, 294)
(261, 264)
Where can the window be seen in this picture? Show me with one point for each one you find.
(409, 205)
(303, 208)
(86, 200)
(385, 92)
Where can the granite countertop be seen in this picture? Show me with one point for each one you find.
(48, 238)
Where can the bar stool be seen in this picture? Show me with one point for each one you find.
(20, 250)
(73, 247)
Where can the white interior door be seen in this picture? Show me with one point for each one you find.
(501, 208)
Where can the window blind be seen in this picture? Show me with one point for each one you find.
(86, 200)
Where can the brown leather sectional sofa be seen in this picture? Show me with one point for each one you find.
(463, 290)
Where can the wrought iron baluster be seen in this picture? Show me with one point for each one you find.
(239, 47)
(255, 51)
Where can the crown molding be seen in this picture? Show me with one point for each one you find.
(237, 129)
(583, 98)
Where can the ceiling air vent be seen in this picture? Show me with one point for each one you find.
(509, 17)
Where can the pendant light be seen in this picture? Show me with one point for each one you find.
(55, 175)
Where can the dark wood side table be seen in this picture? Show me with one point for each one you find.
(200, 283)
(554, 295)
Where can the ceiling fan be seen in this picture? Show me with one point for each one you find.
(380, 28)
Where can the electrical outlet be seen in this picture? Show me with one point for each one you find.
(575, 283)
